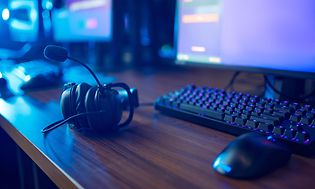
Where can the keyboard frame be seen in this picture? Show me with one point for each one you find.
(297, 148)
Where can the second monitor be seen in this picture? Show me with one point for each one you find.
(83, 20)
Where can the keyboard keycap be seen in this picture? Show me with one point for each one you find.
(240, 121)
(289, 133)
(265, 127)
(264, 120)
(252, 123)
(281, 113)
(305, 120)
(202, 111)
(229, 118)
(278, 130)
(295, 118)
(301, 137)
(310, 115)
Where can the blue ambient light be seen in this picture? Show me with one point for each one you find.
(221, 167)
(5, 14)
(270, 138)
(48, 5)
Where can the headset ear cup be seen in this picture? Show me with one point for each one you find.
(90, 107)
(95, 101)
(79, 104)
(66, 103)
(115, 106)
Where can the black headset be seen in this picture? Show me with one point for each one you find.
(85, 106)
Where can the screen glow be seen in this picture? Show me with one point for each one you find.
(261, 34)
(84, 20)
(23, 24)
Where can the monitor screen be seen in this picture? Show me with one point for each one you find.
(265, 36)
(83, 20)
(18, 22)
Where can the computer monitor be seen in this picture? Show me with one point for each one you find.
(265, 36)
(19, 23)
(83, 20)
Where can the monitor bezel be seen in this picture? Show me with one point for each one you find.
(253, 69)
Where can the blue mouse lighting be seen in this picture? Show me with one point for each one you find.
(270, 138)
(221, 167)
(250, 156)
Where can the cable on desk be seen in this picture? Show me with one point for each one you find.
(63, 121)
(231, 83)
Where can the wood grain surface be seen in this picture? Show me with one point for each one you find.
(155, 151)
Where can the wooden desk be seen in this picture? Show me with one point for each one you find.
(155, 151)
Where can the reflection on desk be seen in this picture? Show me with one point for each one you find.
(155, 151)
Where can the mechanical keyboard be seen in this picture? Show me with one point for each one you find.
(37, 74)
(237, 113)
(27, 70)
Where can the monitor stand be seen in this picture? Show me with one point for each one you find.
(291, 88)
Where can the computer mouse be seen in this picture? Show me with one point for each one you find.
(251, 156)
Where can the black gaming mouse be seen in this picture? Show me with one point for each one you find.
(250, 156)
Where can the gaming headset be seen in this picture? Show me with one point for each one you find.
(84, 106)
